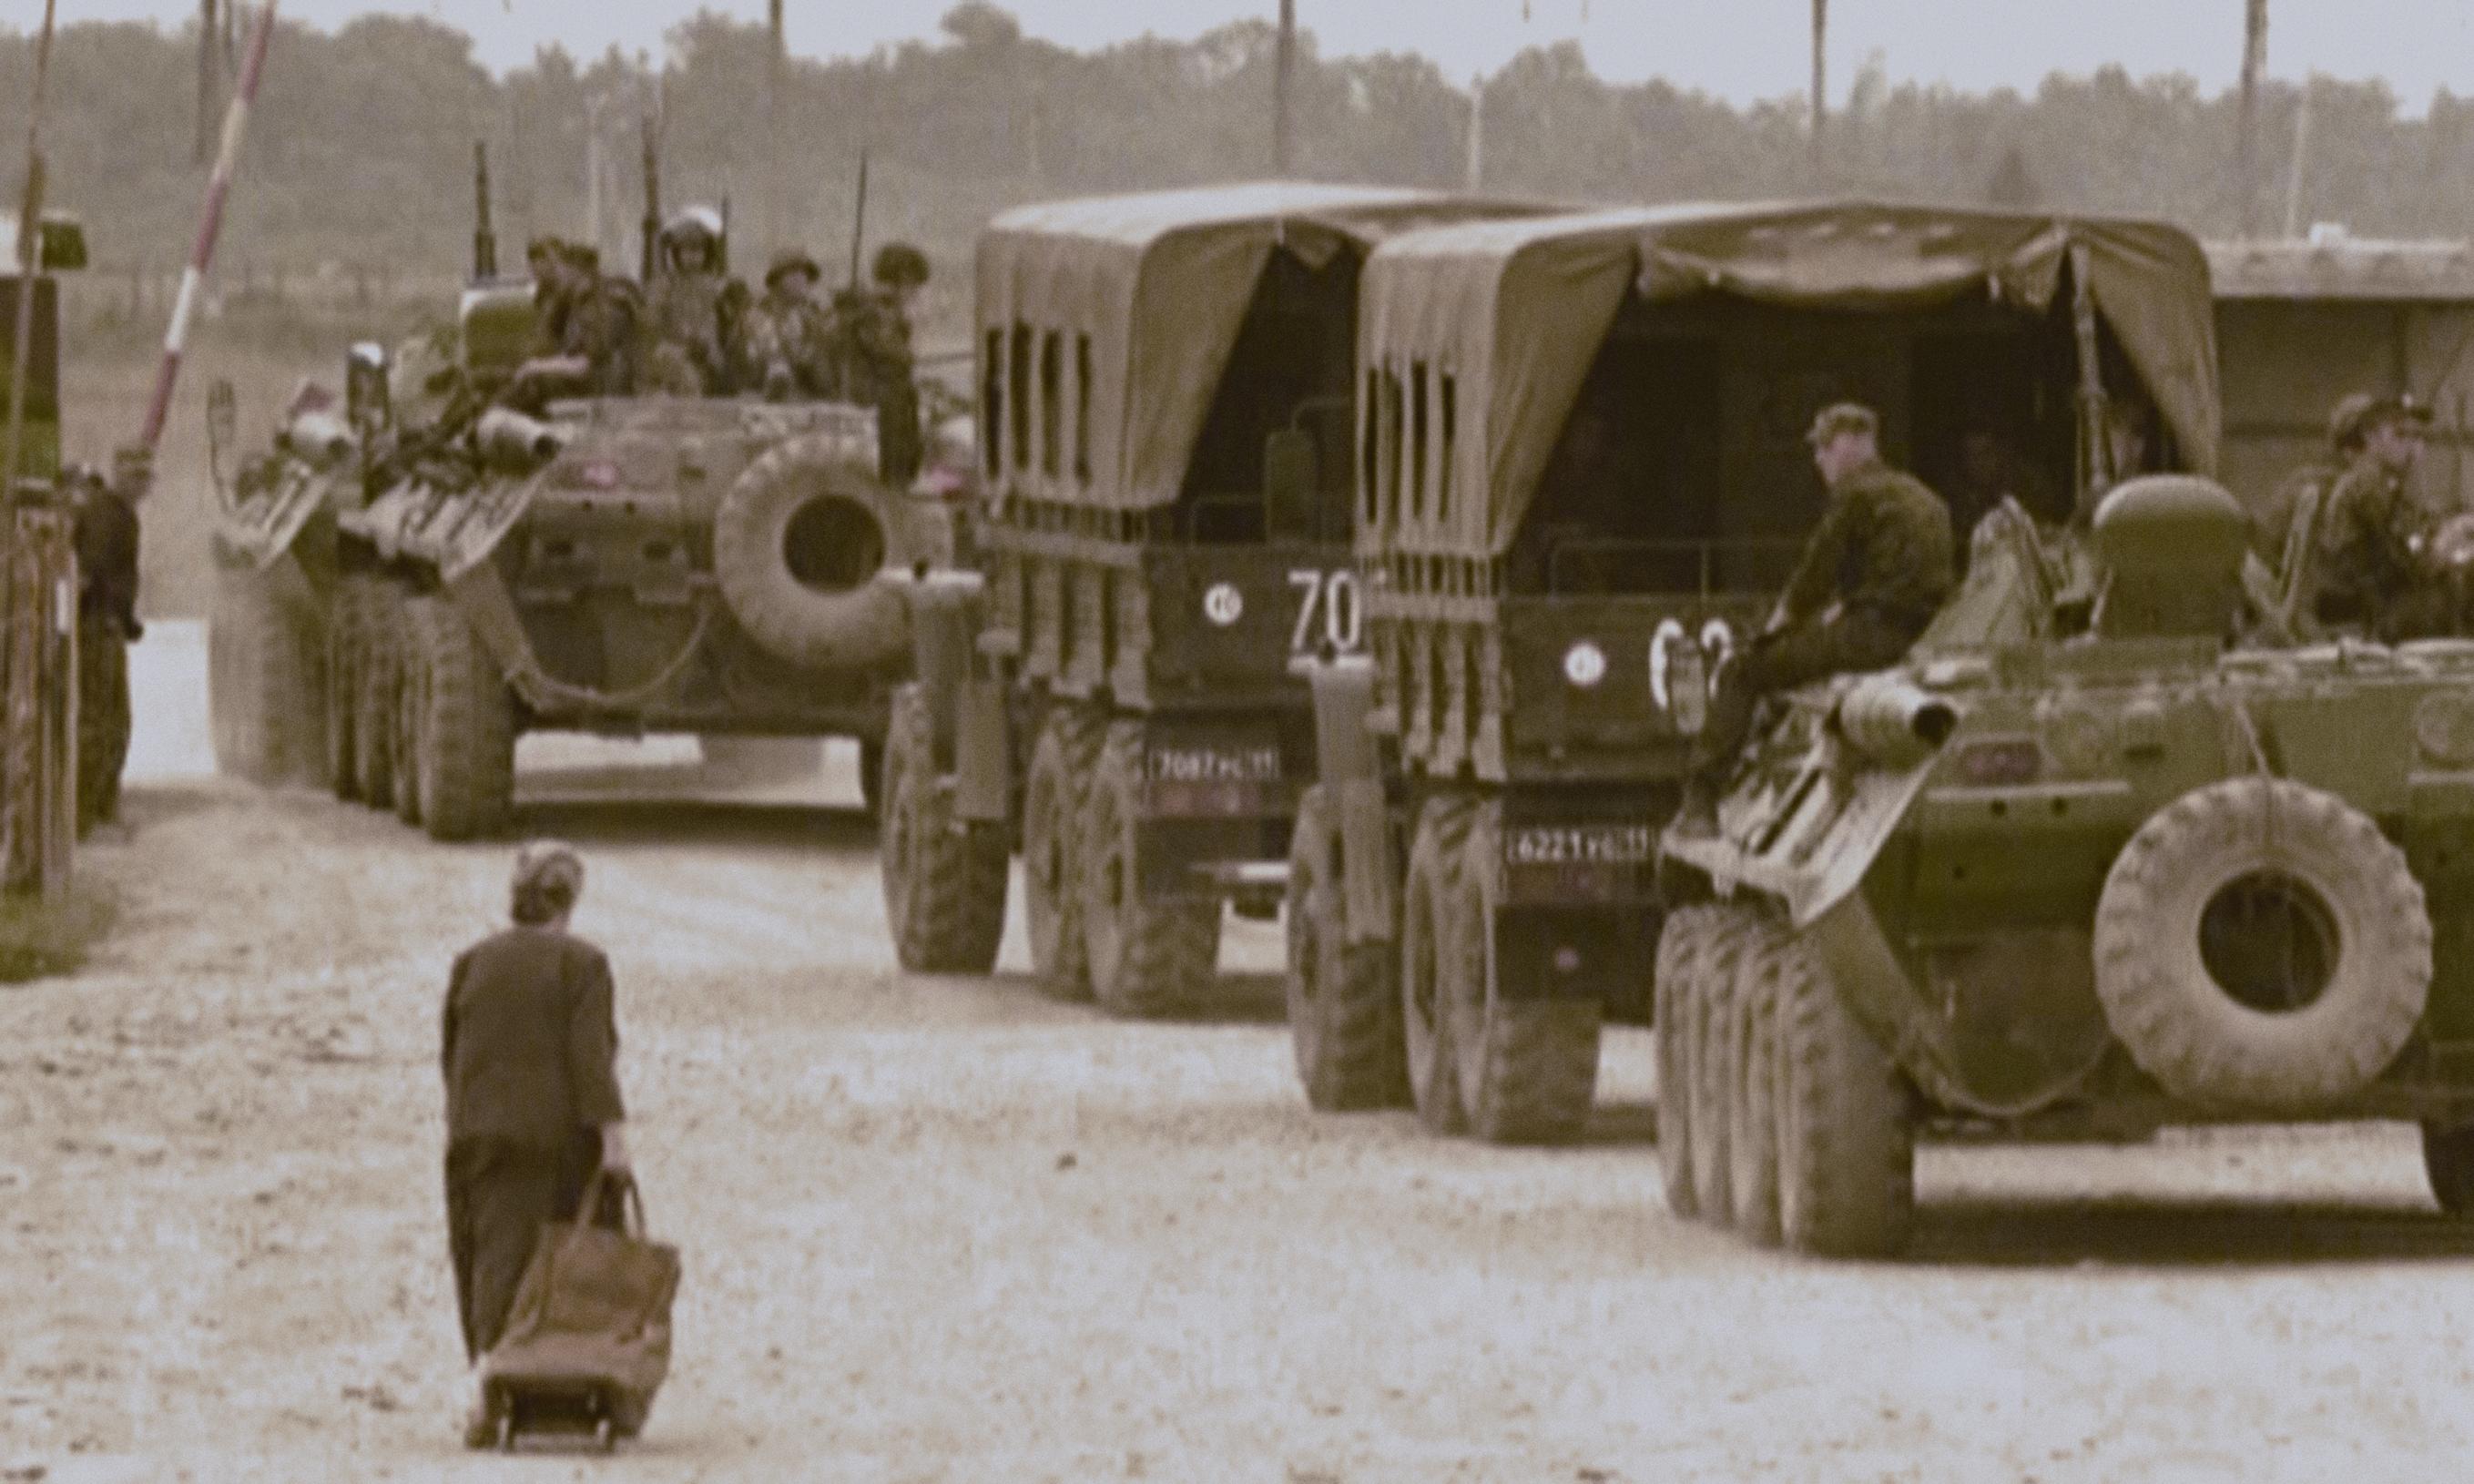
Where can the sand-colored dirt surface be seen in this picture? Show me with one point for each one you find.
(946, 1231)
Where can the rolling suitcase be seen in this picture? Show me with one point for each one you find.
(588, 1338)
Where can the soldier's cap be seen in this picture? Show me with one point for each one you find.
(1842, 418)
(2356, 416)
(899, 264)
(693, 222)
(548, 866)
(785, 264)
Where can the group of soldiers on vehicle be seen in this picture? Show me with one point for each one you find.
(2357, 548)
(694, 331)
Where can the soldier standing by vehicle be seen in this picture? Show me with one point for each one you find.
(528, 1047)
(106, 534)
(1873, 574)
(2373, 537)
(684, 316)
(873, 342)
(788, 339)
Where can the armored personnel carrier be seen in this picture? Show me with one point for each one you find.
(1583, 484)
(419, 573)
(1166, 409)
(2084, 867)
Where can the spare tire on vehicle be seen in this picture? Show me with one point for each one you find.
(2261, 945)
(801, 542)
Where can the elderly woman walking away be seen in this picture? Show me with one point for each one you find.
(530, 1049)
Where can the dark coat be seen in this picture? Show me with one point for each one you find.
(529, 1046)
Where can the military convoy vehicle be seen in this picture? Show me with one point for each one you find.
(1584, 482)
(2094, 861)
(59, 247)
(1166, 411)
(419, 572)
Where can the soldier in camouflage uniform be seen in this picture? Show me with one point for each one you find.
(789, 336)
(1875, 571)
(2303, 492)
(873, 341)
(684, 316)
(2372, 541)
(106, 537)
(587, 315)
(547, 257)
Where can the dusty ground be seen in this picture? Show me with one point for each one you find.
(937, 1230)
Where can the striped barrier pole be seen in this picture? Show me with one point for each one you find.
(201, 253)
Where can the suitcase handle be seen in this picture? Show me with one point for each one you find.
(631, 1203)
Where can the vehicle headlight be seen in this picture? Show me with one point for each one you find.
(1584, 665)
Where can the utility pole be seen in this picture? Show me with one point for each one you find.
(2247, 144)
(1476, 167)
(777, 232)
(1820, 85)
(2301, 159)
(1283, 98)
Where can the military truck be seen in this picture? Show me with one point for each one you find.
(60, 247)
(1166, 404)
(1584, 482)
(419, 573)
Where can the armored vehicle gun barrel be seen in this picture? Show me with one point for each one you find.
(1893, 721)
(508, 439)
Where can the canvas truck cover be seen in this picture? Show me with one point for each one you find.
(1161, 282)
(1519, 310)
(2341, 267)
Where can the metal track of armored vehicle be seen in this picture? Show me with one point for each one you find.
(1166, 402)
(404, 595)
(1584, 484)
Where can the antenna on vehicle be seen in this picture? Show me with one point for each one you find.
(485, 235)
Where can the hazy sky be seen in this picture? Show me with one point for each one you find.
(1740, 49)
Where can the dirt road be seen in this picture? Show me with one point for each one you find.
(938, 1230)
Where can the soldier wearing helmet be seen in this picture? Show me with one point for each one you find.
(787, 338)
(2370, 541)
(877, 365)
(683, 322)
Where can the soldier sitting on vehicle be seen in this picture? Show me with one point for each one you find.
(872, 342)
(1873, 574)
(2370, 549)
(586, 314)
(2305, 488)
(684, 309)
(789, 334)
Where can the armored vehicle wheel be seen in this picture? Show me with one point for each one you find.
(468, 728)
(1846, 1128)
(1683, 942)
(1344, 997)
(1752, 1112)
(380, 653)
(2448, 1159)
(412, 703)
(1054, 796)
(1147, 956)
(1528, 1068)
(1710, 1024)
(944, 878)
(342, 699)
(1425, 939)
(798, 542)
(266, 676)
(2261, 944)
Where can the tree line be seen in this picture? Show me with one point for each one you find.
(361, 150)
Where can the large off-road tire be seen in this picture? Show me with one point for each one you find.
(944, 878)
(1753, 1111)
(467, 753)
(1708, 1021)
(1344, 998)
(2261, 945)
(379, 652)
(2448, 1159)
(1147, 957)
(1528, 1068)
(411, 713)
(343, 698)
(1846, 1120)
(266, 674)
(1427, 903)
(1054, 795)
(800, 541)
(1683, 942)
